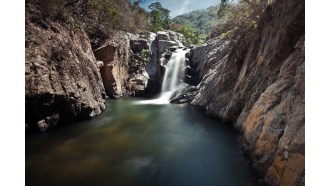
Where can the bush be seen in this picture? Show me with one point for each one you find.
(242, 15)
(110, 14)
(192, 35)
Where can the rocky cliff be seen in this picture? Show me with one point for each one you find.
(256, 81)
(162, 45)
(131, 62)
(62, 79)
(69, 73)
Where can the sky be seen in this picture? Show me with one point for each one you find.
(178, 7)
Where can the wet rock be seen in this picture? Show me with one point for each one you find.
(173, 48)
(137, 45)
(162, 45)
(188, 70)
(184, 95)
(168, 55)
(161, 35)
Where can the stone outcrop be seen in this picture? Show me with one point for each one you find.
(162, 45)
(256, 81)
(138, 81)
(125, 57)
(62, 78)
(115, 57)
(131, 62)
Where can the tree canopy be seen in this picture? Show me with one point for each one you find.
(159, 17)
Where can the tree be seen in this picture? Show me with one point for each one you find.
(136, 3)
(159, 17)
(193, 35)
(223, 8)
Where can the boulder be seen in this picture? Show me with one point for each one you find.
(137, 45)
(164, 45)
(163, 35)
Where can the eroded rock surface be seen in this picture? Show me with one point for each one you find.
(125, 57)
(115, 56)
(161, 46)
(62, 79)
(132, 62)
(256, 80)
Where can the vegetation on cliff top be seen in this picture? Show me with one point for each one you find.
(238, 16)
(111, 14)
(98, 16)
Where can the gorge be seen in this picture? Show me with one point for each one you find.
(250, 85)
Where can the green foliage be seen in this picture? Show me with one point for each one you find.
(223, 9)
(73, 24)
(203, 20)
(226, 35)
(102, 11)
(159, 17)
(123, 15)
(241, 15)
(192, 35)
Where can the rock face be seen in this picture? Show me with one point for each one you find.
(256, 81)
(162, 44)
(115, 56)
(132, 61)
(125, 56)
(62, 79)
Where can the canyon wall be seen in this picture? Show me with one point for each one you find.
(69, 73)
(131, 62)
(256, 80)
(62, 79)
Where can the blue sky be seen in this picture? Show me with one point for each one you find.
(178, 7)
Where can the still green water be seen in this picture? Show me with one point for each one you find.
(138, 144)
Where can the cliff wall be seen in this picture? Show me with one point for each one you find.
(256, 80)
(62, 79)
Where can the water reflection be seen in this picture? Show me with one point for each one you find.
(133, 144)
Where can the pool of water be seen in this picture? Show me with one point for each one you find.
(138, 144)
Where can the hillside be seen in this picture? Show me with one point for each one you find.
(202, 19)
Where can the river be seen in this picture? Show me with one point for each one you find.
(138, 144)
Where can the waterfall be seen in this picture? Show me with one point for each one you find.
(174, 74)
(173, 77)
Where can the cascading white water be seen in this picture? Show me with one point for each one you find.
(174, 71)
(174, 74)
(173, 77)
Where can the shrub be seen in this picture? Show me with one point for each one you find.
(241, 15)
